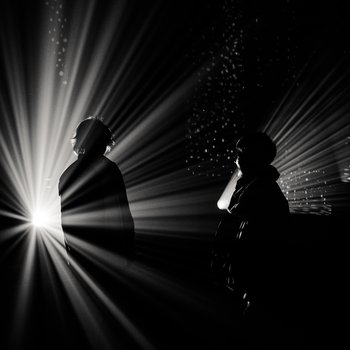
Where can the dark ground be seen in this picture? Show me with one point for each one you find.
(174, 303)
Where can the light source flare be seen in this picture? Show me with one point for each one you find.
(40, 218)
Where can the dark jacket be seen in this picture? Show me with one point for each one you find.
(95, 208)
(260, 203)
(250, 240)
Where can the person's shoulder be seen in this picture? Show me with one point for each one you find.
(110, 165)
(69, 169)
(67, 173)
(108, 162)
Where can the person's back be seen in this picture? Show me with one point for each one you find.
(94, 207)
(95, 213)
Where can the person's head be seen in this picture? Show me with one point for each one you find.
(254, 151)
(92, 136)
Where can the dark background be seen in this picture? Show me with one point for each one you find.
(177, 45)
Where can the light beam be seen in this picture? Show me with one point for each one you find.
(311, 126)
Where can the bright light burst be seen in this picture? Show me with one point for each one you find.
(71, 70)
(40, 218)
(69, 73)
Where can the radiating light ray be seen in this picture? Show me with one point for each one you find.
(310, 127)
(39, 118)
(149, 126)
(16, 235)
(125, 73)
(169, 195)
(25, 289)
(98, 257)
(52, 254)
(119, 315)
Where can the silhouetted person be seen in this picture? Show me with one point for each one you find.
(96, 219)
(251, 255)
